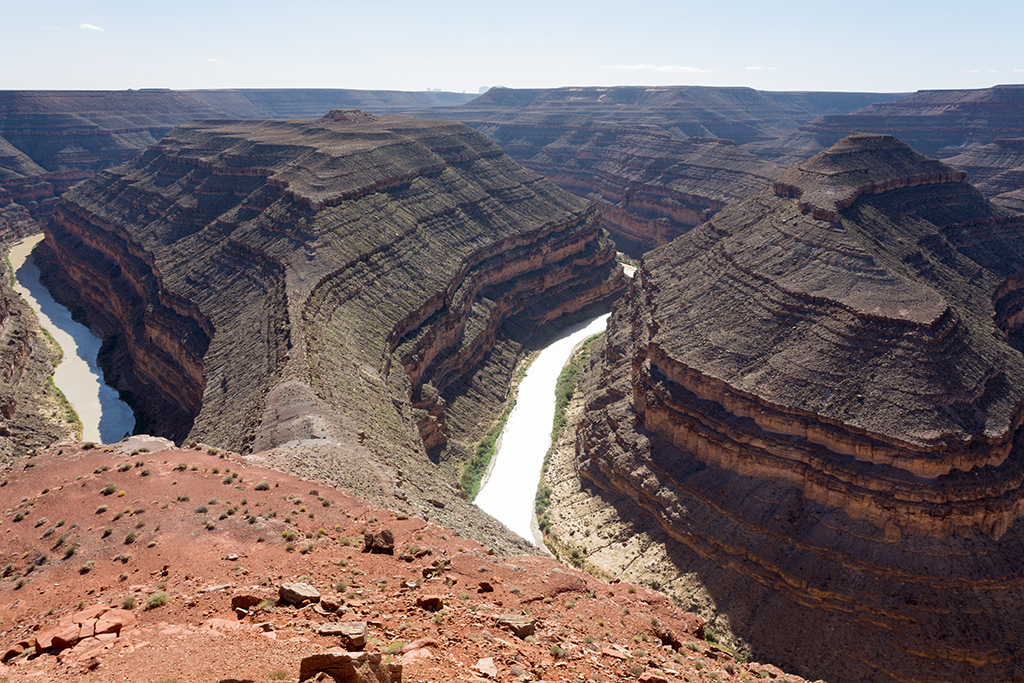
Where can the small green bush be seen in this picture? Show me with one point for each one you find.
(108, 489)
(157, 600)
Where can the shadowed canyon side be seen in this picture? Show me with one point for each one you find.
(331, 285)
(815, 398)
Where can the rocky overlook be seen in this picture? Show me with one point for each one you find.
(815, 399)
(352, 287)
(145, 562)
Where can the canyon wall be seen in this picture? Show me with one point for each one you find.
(651, 187)
(323, 285)
(815, 398)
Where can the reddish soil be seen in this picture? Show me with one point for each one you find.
(201, 527)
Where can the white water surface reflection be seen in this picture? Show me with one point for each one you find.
(105, 418)
(511, 486)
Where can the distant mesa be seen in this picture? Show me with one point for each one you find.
(817, 395)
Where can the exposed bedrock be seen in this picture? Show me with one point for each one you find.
(651, 187)
(321, 282)
(817, 396)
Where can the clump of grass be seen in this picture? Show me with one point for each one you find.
(128, 603)
(108, 489)
(393, 648)
(202, 509)
(157, 600)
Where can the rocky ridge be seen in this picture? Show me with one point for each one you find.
(199, 566)
(938, 123)
(815, 400)
(326, 291)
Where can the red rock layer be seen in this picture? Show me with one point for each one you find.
(817, 392)
(997, 169)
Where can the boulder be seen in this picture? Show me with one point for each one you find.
(298, 593)
(431, 603)
(382, 542)
(350, 667)
(352, 633)
(521, 626)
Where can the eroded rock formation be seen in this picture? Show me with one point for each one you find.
(651, 187)
(997, 169)
(50, 140)
(816, 397)
(279, 282)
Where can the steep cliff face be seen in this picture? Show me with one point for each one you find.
(651, 187)
(816, 396)
(272, 282)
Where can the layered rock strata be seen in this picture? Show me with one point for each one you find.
(321, 282)
(997, 169)
(939, 123)
(816, 398)
(651, 187)
(33, 414)
(50, 140)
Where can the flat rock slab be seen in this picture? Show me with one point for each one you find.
(297, 593)
(354, 632)
(519, 625)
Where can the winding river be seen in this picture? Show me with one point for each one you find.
(105, 418)
(511, 484)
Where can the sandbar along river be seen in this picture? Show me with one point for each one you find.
(105, 418)
(511, 486)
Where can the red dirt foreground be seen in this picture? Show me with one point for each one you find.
(142, 562)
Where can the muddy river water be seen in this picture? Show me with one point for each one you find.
(511, 485)
(105, 418)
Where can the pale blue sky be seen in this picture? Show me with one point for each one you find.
(868, 45)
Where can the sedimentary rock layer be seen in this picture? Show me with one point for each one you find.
(939, 123)
(819, 392)
(997, 169)
(262, 283)
(50, 140)
(651, 187)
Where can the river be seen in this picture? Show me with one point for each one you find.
(105, 418)
(511, 485)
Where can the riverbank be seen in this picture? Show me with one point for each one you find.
(105, 418)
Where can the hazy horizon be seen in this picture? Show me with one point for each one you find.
(461, 46)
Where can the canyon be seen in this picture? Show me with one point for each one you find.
(814, 399)
(344, 296)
